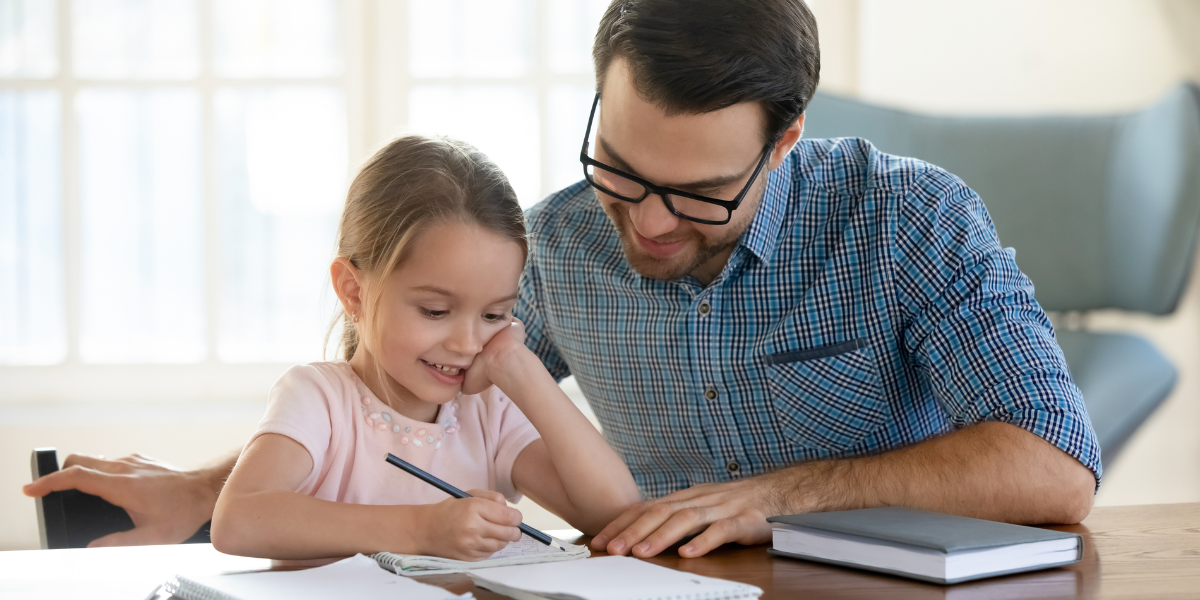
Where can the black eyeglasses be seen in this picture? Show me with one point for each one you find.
(631, 188)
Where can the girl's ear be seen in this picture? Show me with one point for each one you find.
(347, 284)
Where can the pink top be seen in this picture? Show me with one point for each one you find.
(327, 409)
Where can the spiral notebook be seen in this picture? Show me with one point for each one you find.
(607, 578)
(524, 551)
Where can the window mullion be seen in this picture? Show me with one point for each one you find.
(391, 76)
(542, 81)
(212, 209)
(357, 83)
(71, 218)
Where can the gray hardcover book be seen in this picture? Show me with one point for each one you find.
(922, 545)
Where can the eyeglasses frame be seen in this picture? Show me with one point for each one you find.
(662, 191)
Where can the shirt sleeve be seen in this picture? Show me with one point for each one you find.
(530, 311)
(514, 433)
(973, 327)
(298, 407)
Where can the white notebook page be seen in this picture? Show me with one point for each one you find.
(356, 577)
(610, 578)
(526, 546)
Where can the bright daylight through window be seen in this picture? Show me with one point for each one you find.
(171, 171)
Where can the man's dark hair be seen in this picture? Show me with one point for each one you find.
(697, 56)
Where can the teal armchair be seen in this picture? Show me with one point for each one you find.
(1103, 212)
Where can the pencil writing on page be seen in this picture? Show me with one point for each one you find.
(429, 478)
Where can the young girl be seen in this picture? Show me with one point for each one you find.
(431, 245)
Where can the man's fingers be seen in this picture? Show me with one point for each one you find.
(610, 531)
(138, 536)
(653, 518)
(718, 533)
(39, 487)
(685, 521)
(97, 463)
(75, 477)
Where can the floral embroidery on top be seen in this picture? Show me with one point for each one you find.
(383, 420)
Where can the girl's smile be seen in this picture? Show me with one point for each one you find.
(447, 374)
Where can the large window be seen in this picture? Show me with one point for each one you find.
(171, 171)
(513, 77)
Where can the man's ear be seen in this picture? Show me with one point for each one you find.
(791, 135)
(347, 285)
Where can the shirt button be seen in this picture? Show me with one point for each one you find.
(705, 308)
(733, 466)
(710, 393)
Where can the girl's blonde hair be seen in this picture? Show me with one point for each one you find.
(413, 183)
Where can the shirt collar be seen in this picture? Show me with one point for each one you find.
(762, 237)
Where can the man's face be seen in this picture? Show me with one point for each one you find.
(713, 154)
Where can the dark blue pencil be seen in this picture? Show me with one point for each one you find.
(457, 493)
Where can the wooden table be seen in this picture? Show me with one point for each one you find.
(1130, 552)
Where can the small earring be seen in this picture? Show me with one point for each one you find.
(355, 317)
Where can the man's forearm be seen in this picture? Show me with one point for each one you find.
(216, 473)
(990, 471)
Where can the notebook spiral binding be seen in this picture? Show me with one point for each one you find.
(190, 590)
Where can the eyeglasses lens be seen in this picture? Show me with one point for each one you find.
(695, 209)
(625, 189)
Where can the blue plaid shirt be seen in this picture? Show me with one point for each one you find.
(868, 306)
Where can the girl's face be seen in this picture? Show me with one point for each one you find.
(454, 291)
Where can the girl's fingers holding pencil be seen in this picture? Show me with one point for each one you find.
(470, 528)
(483, 530)
(496, 497)
(501, 533)
(500, 514)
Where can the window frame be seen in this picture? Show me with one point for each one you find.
(72, 379)
(376, 83)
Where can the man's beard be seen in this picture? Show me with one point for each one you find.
(695, 252)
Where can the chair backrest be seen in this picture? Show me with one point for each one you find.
(1103, 210)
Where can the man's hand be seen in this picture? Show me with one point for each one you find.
(719, 512)
(167, 504)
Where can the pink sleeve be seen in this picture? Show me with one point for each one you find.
(514, 433)
(299, 408)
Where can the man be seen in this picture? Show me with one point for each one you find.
(765, 325)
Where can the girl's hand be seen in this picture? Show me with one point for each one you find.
(470, 528)
(490, 363)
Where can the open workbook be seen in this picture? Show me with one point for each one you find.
(524, 551)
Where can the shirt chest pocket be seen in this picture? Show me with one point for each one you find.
(826, 397)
